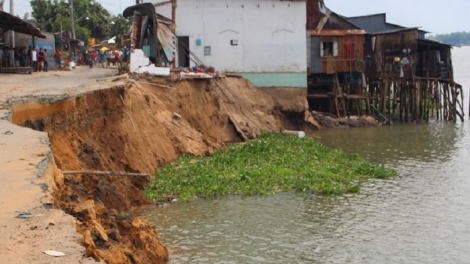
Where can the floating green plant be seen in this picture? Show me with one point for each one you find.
(269, 164)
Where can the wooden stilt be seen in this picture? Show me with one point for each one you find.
(340, 93)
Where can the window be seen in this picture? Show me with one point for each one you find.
(234, 42)
(329, 48)
(207, 50)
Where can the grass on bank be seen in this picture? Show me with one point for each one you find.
(271, 163)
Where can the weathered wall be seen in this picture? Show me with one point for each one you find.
(270, 36)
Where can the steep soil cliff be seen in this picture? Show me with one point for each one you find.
(138, 126)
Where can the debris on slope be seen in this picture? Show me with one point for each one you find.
(138, 126)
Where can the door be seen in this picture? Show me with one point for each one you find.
(315, 58)
(183, 51)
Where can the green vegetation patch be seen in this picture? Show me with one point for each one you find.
(271, 163)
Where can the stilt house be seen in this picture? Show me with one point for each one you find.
(336, 61)
(406, 73)
(364, 65)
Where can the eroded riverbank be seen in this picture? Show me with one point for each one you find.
(135, 126)
(138, 133)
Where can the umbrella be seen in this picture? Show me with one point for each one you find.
(104, 49)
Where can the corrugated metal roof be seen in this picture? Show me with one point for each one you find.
(435, 43)
(377, 24)
(9, 22)
(166, 36)
(334, 24)
(327, 32)
(392, 31)
(373, 23)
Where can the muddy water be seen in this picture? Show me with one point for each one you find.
(420, 216)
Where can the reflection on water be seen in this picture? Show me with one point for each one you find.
(421, 216)
(395, 144)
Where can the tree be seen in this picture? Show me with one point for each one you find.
(456, 38)
(119, 28)
(56, 15)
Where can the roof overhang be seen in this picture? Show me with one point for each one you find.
(9, 22)
(434, 43)
(337, 32)
(393, 31)
(145, 8)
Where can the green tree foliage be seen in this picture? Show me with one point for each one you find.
(119, 27)
(91, 19)
(456, 38)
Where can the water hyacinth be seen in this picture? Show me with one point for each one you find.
(269, 164)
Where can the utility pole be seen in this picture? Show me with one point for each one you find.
(12, 33)
(73, 19)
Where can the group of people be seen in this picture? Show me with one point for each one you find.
(23, 57)
(37, 59)
(104, 57)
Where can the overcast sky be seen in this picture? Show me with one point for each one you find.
(436, 16)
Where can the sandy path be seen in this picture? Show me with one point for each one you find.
(18, 87)
(25, 164)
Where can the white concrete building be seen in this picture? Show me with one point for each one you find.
(265, 40)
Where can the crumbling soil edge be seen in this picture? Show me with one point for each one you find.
(80, 129)
(100, 131)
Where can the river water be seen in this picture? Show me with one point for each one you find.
(420, 216)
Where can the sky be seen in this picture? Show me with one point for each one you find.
(435, 16)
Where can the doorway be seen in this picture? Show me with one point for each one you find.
(183, 51)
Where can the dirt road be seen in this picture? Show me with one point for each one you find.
(26, 169)
(17, 87)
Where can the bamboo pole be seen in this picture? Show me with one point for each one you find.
(462, 102)
(407, 102)
(341, 94)
(418, 101)
(454, 104)
(396, 97)
(446, 102)
(364, 92)
(433, 98)
(402, 102)
(382, 96)
(438, 100)
(110, 173)
(336, 96)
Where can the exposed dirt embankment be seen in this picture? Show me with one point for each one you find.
(138, 127)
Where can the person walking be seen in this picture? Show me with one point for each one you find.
(34, 56)
(1, 58)
(25, 57)
(41, 60)
(30, 56)
(18, 60)
(46, 64)
(116, 57)
(58, 59)
(11, 58)
(93, 56)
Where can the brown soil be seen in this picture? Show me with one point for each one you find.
(150, 127)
